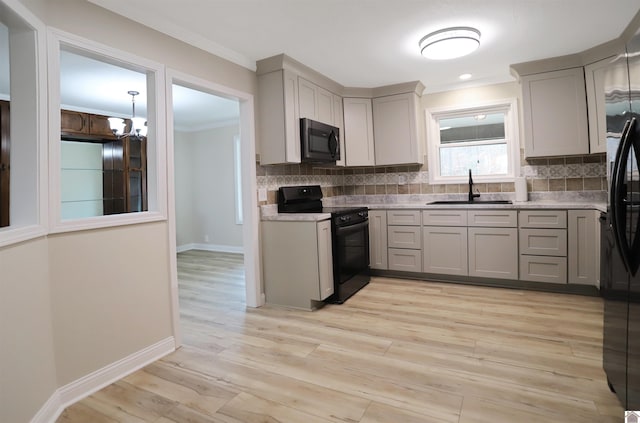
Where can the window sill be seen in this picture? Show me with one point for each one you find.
(111, 221)
(12, 235)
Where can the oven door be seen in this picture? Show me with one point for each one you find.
(351, 251)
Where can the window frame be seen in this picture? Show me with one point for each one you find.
(512, 138)
(156, 144)
(29, 166)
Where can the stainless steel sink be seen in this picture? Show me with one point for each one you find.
(475, 202)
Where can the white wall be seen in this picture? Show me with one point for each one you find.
(27, 358)
(205, 170)
(183, 157)
(75, 303)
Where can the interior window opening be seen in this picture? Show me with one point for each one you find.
(103, 150)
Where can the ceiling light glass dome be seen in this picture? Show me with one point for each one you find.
(450, 43)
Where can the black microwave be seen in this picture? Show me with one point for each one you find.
(319, 142)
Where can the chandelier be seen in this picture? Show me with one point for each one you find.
(138, 124)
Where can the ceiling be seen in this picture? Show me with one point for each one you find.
(370, 43)
(357, 43)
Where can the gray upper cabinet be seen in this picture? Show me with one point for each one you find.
(555, 113)
(398, 129)
(315, 102)
(595, 83)
(278, 118)
(358, 132)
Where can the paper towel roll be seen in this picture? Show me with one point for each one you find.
(521, 188)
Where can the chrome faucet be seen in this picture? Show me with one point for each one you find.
(471, 194)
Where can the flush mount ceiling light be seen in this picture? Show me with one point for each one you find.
(138, 124)
(450, 43)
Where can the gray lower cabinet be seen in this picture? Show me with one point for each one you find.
(543, 245)
(584, 247)
(297, 262)
(404, 240)
(493, 252)
(444, 250)
(378, 257)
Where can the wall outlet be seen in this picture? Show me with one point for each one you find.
(206, 238)
(262, 194)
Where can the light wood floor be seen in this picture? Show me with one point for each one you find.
(399, 351)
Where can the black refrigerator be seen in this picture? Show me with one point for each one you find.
(620, 279)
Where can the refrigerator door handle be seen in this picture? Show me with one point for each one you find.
(630, 253)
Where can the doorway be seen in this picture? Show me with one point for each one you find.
(212, 182)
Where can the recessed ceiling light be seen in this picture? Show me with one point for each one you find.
(450, 43)
(465, 76)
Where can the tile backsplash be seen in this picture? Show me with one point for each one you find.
(552, 175)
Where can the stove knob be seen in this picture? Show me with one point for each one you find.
(345, 218)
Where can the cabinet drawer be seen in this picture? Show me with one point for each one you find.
(543, 242)
(404, 237)
(403, 217)
(543, 219)
(543, 269)
(493, 218)
(444, 217)
(405, 260)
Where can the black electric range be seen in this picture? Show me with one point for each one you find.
(350, 237)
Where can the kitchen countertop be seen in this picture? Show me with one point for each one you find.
(390, 202)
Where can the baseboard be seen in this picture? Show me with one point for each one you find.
(87, 385)
(210, 247)
(50, 411)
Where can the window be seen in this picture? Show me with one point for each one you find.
(101, 179)
(22, 124)
(481, 138)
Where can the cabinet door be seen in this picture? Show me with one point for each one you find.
(555, 113)
(325, 260)
(493, 252)
(307, 99)
(595, 84)
(395, 131)
(315, 102)
(582, 255)
(378, 239)
(444, 250)
(277, 115)
(338, 121)
(358, 132)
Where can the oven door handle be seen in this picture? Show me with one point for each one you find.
(351, 228)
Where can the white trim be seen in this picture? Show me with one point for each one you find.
(20, 231)
(237, 178)
(156, 148)
(210, 247)
(93, 382)
(50, 411)
(512, 135)
(250, 227)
